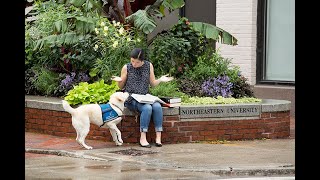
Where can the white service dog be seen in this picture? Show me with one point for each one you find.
(103, 115)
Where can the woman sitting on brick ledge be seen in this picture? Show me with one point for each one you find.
(136, 77)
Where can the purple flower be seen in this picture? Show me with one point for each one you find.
(73, 79)
(219, 86)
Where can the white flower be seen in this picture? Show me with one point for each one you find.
(105, 28)
(105, 34)
(114, 22)
(121, 30)
(115, 44)
(118, 24)
(95, 47)
(96, 30)
(128, 39)
(102, 24)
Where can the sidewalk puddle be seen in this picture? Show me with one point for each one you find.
(133, 152)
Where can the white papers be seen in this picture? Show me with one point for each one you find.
(148, 98)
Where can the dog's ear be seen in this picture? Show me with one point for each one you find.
(120, 98)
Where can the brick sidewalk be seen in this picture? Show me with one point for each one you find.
(45, 141)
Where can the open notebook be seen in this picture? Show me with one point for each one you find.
(148, 98)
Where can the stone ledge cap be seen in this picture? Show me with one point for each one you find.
(54, 103)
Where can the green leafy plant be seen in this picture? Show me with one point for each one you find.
(168, 89)
(175, 51)
(241, 88)
(190, 86)
(85, 93)
(29, 87)
(145, 21)
(45, 81)
(167, 53)
(219, 100)
(212, 64)
(115, 43)
(215, 33)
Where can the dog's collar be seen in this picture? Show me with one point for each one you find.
(117, 107)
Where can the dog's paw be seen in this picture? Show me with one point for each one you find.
(88, 147)
(119, 144)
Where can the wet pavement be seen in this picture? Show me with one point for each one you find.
(48, 157)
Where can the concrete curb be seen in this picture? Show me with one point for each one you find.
(62, 153)
(272, 171)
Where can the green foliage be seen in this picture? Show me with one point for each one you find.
(219, 100)
(78, 57)
(166, 53)
(212, 64)
(189, 86)
(144, 20)
(175, 51)
(29, 87)
(48, 13)
(241, 88)
(168, 89)
(71, 36)
(45, 81)
(114, 43)
(213, 32)
(31, 33)
(85, 93)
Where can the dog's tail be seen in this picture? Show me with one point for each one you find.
(67, 107)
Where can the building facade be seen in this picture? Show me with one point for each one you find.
(265, 30)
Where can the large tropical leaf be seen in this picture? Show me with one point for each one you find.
(142, 21)
(161, 5)
(60, 39)
(85, 4)
(61, 26)
(173, 4)
(215, 33)
(85, 25)
(77, 3)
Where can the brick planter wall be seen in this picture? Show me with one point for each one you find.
(176, 130)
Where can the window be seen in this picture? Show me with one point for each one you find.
(276, 42)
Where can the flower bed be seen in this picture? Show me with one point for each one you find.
(188, 123)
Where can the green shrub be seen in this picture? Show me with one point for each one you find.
(219, 100)
(174, 51)
(168, 89)
(29, 87)
(241, 88)
(212, 64)
(189, 86)
(85, 93)
(114, 43)
(45, 81)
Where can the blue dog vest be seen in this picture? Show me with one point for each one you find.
(108, 113)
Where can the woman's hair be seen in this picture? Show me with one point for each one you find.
(137, 53)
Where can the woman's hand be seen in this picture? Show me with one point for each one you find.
(116, 78)
(165, 78)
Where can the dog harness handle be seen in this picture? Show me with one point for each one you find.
(108, 113)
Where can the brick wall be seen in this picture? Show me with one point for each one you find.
(239, 18)
(269, 125)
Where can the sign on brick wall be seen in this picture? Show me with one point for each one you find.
(220, 111)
